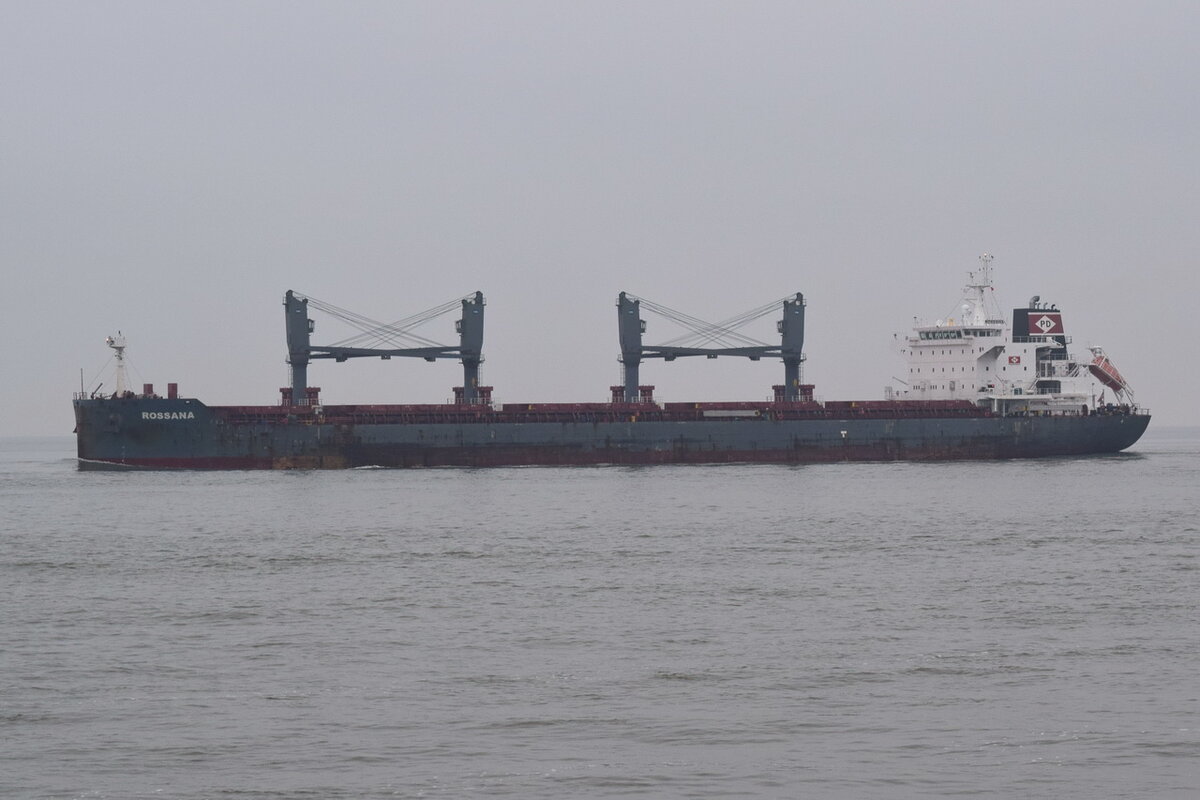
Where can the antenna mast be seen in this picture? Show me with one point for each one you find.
(117, 343)
(979, 306)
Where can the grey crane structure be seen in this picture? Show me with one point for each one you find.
(301, 350)
(469, 351)
(631, 326)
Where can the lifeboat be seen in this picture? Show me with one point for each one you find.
(1105, 372)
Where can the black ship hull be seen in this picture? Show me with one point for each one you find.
(159, 433)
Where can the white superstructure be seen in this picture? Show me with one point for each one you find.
(1016, 365)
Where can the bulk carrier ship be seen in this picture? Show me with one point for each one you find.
(979, 386)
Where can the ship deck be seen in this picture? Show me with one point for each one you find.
(428, 414)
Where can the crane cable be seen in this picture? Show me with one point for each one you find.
(376, 333)
(703, 332)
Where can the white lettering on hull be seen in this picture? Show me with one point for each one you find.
(168, 415)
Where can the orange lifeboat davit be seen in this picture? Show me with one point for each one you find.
(1105, 372)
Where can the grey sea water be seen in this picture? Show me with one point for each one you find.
(990, 629)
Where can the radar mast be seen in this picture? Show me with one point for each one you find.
(978, 300)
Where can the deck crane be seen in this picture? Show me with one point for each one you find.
(631, 326)
(301, 350)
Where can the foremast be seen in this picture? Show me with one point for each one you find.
(117, 343)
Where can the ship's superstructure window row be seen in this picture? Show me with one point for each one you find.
(957, 333)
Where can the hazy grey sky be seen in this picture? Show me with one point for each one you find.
(170, 169)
